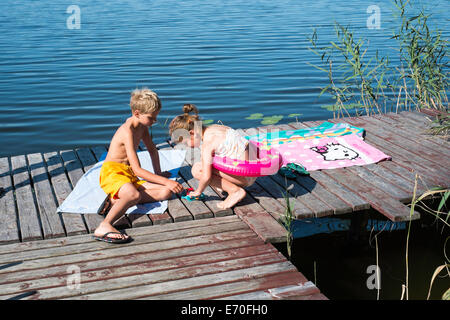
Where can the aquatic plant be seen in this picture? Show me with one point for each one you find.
(362, 82)
(422, 60)
(441, 214)
(288, 219)
(420, 81)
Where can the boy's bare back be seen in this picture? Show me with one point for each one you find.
(117, 149)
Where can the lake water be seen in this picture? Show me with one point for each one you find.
(65, 88)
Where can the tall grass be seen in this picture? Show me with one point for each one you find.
(442, 214)
(372, 85)
(288, 219)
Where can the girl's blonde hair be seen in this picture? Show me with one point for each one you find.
(186, 120)
(145, 101)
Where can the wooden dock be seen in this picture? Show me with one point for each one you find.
(218, 258)
(234, 257)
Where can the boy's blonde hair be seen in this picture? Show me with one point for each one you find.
(145, 101)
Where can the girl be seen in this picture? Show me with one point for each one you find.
(214, 140)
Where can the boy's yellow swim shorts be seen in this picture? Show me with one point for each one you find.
(113, 175)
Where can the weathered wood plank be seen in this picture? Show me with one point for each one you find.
(73, 223)
(159, 260)
(276, 207)
(288, 290)
(100, 254)
(393, 190)
(28, 214)
(379, 200)
(135, 232)
(94, 245)
(261, 222)
(191, 282)
(401, 156)
(432, 161)
(51, 222)
(9, 231)
(223, 290)
(410, 131)
(416, 146)
(108, 272)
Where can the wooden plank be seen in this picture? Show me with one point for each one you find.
(261, 222)
(49, 243)
(392, 189)
(401, 156)
(379, 200)
(108, 272)
(413, 145)
(410, 131)
(114, 252)
(51, 222)
(28, 215)
(9, 231)
(286, 291)
(95, 245)
(88, 160)
(157, 259)
(147, 290)
(291, 279)
(73, 223)
(433, 161)
(275, 207)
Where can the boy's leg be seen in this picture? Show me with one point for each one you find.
(128, 196)
(152, 192)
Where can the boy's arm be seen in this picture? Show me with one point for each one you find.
(136, 165)
(154, 155)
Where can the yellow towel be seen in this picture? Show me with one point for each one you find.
(114, 175)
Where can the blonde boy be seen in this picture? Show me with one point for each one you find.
(121, 168)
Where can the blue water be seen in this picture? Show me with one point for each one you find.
(64, 88)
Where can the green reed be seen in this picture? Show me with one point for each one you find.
(442, 214)
(359, 83)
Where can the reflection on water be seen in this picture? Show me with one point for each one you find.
(309, 227)
(329, 252)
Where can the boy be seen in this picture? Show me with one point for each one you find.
(121, 168)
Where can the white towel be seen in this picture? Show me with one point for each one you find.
(87, 197)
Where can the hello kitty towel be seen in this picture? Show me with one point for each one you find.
(327, 146)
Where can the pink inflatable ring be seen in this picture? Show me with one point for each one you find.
(267, 163)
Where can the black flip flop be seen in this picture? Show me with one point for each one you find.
(105, 238)
(106, 206)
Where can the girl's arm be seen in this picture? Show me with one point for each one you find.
(207, 158)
